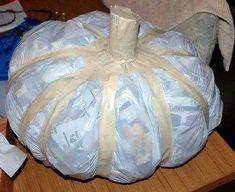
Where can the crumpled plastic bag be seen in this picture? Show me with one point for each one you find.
(138, 144)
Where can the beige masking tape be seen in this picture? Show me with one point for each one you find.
(107, 127)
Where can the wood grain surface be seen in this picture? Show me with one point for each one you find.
(214, 166)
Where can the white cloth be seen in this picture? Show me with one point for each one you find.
(11, 158)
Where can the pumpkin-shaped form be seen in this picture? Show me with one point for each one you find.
(100, 96)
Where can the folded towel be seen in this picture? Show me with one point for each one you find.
(169, 13)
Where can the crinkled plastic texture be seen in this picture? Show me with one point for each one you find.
(73, 146)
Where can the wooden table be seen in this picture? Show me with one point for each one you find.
(214, 166)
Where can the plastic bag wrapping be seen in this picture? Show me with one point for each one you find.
(73, 146)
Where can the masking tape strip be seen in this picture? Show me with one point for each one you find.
(107, 127)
